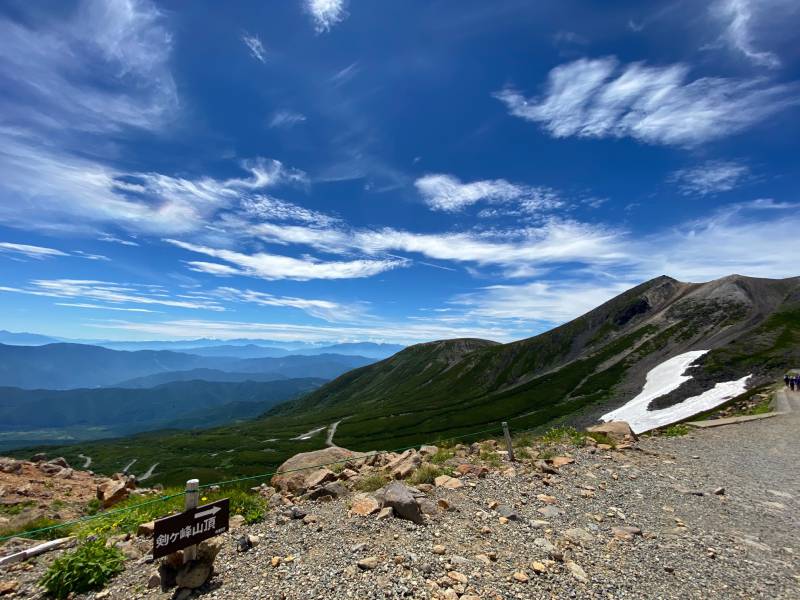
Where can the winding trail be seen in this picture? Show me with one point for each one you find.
(148, 474)
(87, 461)
(331, 433)
(129, 465)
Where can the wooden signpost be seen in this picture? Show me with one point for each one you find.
(189, 528)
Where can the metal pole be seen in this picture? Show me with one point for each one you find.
(509, 446)
(508, 442)
(192, 500)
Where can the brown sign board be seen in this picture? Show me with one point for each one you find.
(190, 527)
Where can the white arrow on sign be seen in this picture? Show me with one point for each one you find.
(207, 513)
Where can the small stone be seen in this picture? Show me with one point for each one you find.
(577, 572)
(438, 549)
(385, 513)
(538, 567)
(625, 532)
(309, 519)
(720, 491)
(235, 522)
(560, 461)
(459, 577)
(364, 505)
(154, 581)
(546, 499)
(503, 520)
(443, 504)
(146, 529)
(448, 482)
(521, 577)
(367, 564)
(579, 536)
(508, 513)
(8, 587)
(193, 574)
(276, 561)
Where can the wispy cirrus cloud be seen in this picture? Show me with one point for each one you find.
(326, 310)
(114, 294)
(38, 252)
(711, 177)
(274, 266)
(255, 46)
(326, 13)
(52, 67)
(738, 17)
(286, 119)
(449, 194)
(600, 98)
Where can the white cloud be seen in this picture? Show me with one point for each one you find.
(37, 252)
(710, 178)
(104, 291)
(658, 105)
(448, 193)
(325, 13)
(89, 255)
(286, 119)
(274, 266)
(255, 46)
(738, 17)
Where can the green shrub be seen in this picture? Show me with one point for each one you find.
(547, 454)
(426, 474)
(88, 567)
(371, 482)
(522, 440)
(522, 453)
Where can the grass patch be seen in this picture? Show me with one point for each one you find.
(12, 510)
(34, 524)
(491, 458)
(522, 440)
(372, 482)
(87, 568)
(558, 435)
(676, 430)
(426, 474)
(547, 454)
(522, 453)
(601, 438)
(442, 455)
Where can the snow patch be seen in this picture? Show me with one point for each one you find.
(663, 379)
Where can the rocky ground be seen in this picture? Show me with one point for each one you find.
(712, 514)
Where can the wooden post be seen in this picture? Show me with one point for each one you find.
(192, 500)
(508, 442)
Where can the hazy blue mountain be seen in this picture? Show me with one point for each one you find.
(325, 366)
(24, 339)
(194, 375)
(368, 349)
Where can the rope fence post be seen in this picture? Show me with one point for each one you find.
(509, 446)
(192, 500)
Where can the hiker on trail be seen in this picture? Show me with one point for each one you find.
(792, 383)
(786, 379)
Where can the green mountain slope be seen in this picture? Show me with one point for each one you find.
(574, 372)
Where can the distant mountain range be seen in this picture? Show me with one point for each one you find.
(236, 348)
(570, 374)
(65, 366)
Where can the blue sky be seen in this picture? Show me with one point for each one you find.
(390, 171)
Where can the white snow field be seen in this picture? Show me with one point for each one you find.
(660, 381)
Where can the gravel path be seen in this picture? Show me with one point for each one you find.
(738, 543)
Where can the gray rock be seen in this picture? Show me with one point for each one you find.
(400, 498)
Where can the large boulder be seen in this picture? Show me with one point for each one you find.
(112, 492)
(292, 474)
(402, 500)
(619, 431)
